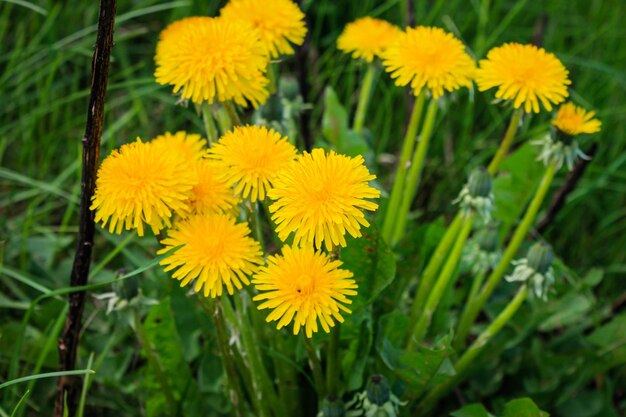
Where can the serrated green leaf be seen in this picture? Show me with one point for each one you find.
(373, 264)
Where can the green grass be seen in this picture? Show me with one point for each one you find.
(45, 63)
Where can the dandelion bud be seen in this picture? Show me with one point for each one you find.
(535, 270)
(479, 183)
(333, 407)
(488, 239)
(476, 196)
(378, 390)
(288, 87)
(540, 257)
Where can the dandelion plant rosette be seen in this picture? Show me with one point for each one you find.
(304, 287)
(367, 38)
(209, 59)
(215, 252)
(279, 23)
(429, 58)
(320, 196)
(528, 76)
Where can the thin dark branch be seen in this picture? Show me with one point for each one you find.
(69, 387)
(559, 197)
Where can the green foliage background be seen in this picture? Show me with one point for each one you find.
(569, 354)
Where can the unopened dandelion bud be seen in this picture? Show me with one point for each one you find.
(289, 88)
(479, 183)
(476, 196)
(488, 239)
(540, 257)
(535, 270)
(378, 390)
(333, 407)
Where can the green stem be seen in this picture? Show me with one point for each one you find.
(232, 113)
(474, 350)
(415, 172)
(209, 123)
(506, 143)
(434, 264)
(332, 362)
(316, 367)
(364, 96)
(518, 237)
(483, 18)
(223, 119)
(263, 385)
(422, 324)
(236, 393)
(465, 323)
(398, 185)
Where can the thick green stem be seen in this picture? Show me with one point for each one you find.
(432, 302)
(518, 237)
(232, 113)
(434, 264)
(398, 185)
(236, 393)
(364, 97)
(263, 385)
(415, 172)
(465, 323)
(332, 362)
(506, 143)
(316, 367)
(209, 123)
(474, 350)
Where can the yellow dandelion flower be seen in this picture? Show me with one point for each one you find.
(250, 158)
(280, 23)
(141, 183)
(367, 38)
(525, 74)
(431, 58)
(575, 120)
(304, 286)
(217, 252)
(208, 59)
(188, 146)
(320, 196)
(211, 194)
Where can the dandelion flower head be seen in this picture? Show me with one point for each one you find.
(141, 183)
(367, 38)
(304, 286)
(319, 196)
(211, 193)
(217, 253)
(207, 59)
(279, 23)
(526, 75)
(190, 147)
(250, 157)
(431, 58)
(574, 120)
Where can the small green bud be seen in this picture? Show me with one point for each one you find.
(479, 183)
(289, 88)
(540, 257)
(488, 239)
(378, 390)
(333, 407)
(272, 110)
